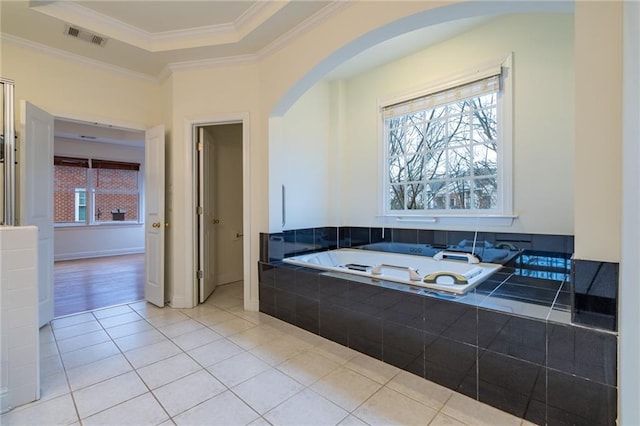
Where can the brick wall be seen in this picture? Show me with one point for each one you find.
(115, 189)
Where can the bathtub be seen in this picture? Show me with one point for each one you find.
(452, 276)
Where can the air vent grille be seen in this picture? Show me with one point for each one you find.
(86, 35)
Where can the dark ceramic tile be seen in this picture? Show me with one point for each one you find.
(326, 238)
(266, 274)
(595, 320)
(333, 291)
(450, 319)
(365, 299)
(285, 279)
(572, 400)
(403, 347)
(534, 282)
(448, 363)
(425, 236)
(365, 334)
(267, 298)
(536, 411)
(585, 353)
(379, 235)
(305, 237)
(285, 306)
(487, 286)
(525, 293)
(403, 308)
(596, 278)
(360, 236)
(289, 236)
(404, 236)
(334, 323)
(552, 243)
(307, 314)
(276, 247)
(440, 238)
(344, 237)
(306, 283)
(514, 336)
(264, 247)
(506, 383)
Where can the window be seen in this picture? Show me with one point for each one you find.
(91, 191)
(446, 150)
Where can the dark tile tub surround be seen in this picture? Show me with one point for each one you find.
(534, 363)
(595, 295)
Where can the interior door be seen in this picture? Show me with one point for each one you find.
(154, 216)
(36, 195)
(208, 219)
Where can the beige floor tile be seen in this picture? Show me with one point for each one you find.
(444, 420)
(308, 367)
(346, 388)
(76, 330)
(142, 410)
(129, 328)
(152, 353)
(352, 420)
(53, 385)
(214, 352)
(470, 411)
(372, 368)
(48, 349)
(255, 336)
(89, 374)
(89, 354)
(267, 390)
(306, 408)
(235, 370)
(166, 317)
(103, 395)
(232, 326)
(56, 411)
(72, 320)
(228, 409)
(388, 407)
(168, 370)
(279, 350)
(121, 319)
(215, 317)
(424, 391)
(111, 312)
(259, 422)
(180, 328)
(335, 352)
(187, 392)
(51, 365)
(139, 340)
(196, 338)
(45, 334)
(83, 341)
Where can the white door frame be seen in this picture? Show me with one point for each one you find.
(191, 291)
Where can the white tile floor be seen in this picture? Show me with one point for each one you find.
(216, 364)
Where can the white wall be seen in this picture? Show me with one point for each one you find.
(78, 242)
(299, 160)
(543, 118)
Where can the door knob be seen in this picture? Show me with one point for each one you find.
(216, 221)
(156, 224)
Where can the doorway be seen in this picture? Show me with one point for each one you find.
(219, 207)
(98, 208)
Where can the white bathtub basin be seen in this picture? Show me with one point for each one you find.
(403, 268)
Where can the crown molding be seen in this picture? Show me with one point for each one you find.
(207, 63)
(211, 35)
(303, 27)
(61, 54)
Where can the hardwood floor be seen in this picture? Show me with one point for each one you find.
(86, 284)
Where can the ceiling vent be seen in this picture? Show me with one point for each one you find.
(86, 35)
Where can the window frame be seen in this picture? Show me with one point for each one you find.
(503, 214)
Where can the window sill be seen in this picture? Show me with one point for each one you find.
(453, 220)
(123, 224)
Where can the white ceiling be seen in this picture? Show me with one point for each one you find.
(151, 37)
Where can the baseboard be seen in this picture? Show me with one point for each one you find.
(4, 400)
(99, 253)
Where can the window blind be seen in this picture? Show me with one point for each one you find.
(71, 162)
(114, 165)
(469, 89)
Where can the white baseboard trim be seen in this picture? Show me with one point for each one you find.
(4, 400)
(99, 253)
